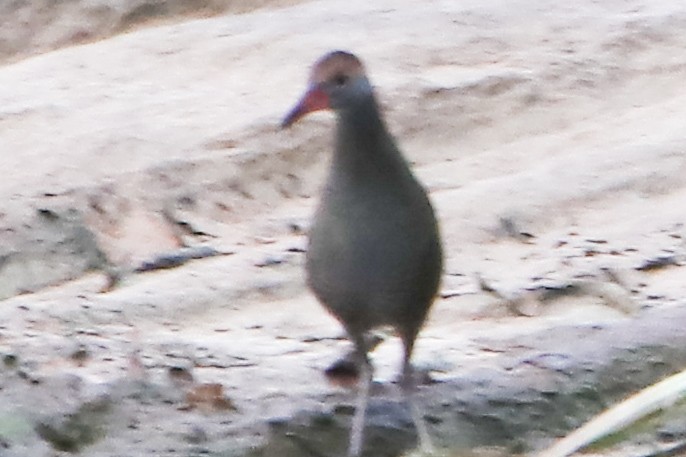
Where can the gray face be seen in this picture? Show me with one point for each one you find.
(346, 91)
(337, 82)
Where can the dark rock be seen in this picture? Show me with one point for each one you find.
(73, 432)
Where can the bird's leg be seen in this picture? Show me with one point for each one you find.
(408, 385)
(357, 432)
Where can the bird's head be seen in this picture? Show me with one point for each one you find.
(337, 81)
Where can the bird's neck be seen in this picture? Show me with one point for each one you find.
(364, 149)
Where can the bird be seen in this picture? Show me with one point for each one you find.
(374, 255)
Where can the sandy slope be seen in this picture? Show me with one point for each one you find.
(39, 26)
(561, 122)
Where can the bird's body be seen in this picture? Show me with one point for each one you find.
(374, 256)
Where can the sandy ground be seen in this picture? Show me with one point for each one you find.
(39, 26)
(551, 138)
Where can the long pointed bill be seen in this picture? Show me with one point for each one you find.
(314, 100)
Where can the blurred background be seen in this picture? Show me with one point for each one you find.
(153, 219)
